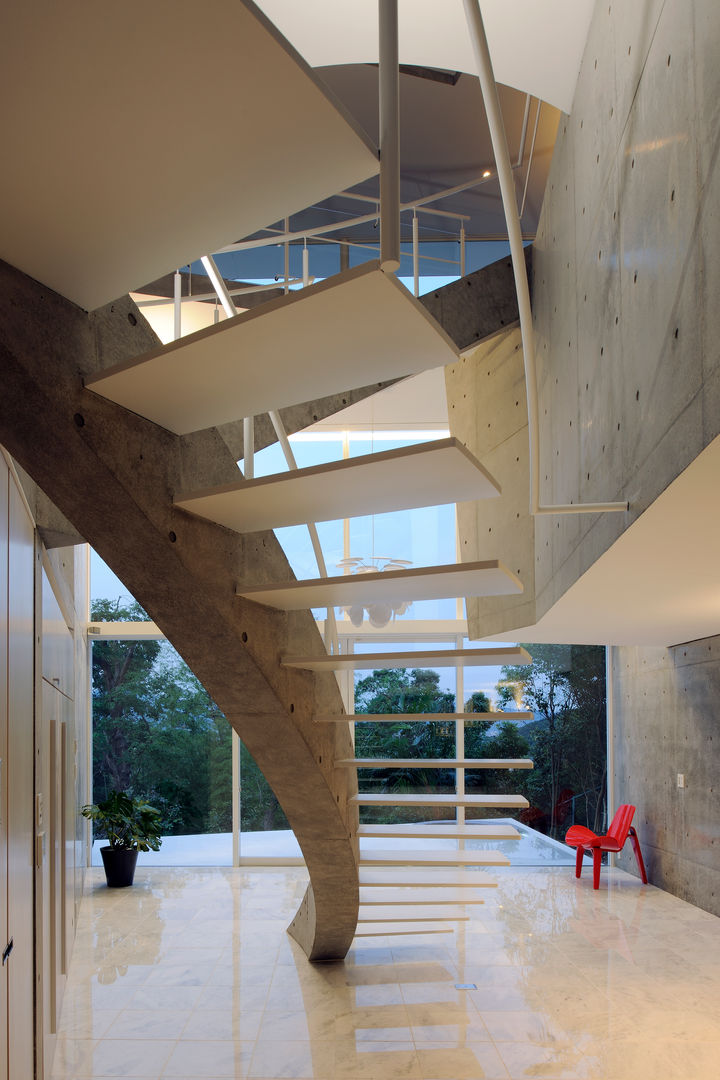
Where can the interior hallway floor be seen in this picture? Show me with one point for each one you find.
(190, 974)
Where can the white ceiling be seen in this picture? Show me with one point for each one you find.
(659, 584)
(139, 136)
(536, 45)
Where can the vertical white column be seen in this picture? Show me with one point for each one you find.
(249, 447)
(305, 266)
(286, 259)
(389, 77)
(236, 803)
(462, 249)
(177, 305)
(460, 733)
(416, 255)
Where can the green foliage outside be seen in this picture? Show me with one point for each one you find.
(564, 687)
(156, 733)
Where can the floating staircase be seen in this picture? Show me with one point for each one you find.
(305, 345)
(432, 658)
(426, 474)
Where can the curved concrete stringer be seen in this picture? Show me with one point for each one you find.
(113, 475)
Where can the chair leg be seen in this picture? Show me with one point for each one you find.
(638, 854)
(579, 853)
(597, 857)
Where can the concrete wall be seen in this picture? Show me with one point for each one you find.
(667, 703)
(626, 276)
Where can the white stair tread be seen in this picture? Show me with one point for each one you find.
(399, 877)
(124, 211)
(358, 327)
(435, 763)
(427, 474)
(400, 929)
(390, 799)
(417, 896)
(409, 914)
(439, 831)
(489, 578)
(400, 718)
(434, 857)
(432, 658)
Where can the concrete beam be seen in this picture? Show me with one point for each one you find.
(113, 475)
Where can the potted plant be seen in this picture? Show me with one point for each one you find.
(130, 825)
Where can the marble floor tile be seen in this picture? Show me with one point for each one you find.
(191, 974)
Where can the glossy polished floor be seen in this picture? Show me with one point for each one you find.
(190, 974)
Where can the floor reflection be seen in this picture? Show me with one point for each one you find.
(190, 974)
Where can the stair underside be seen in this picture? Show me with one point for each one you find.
(427, 474)
(435, 763)
(417, 857)
(369, 897)
(358, 327)
(488, 578)
(399, 877)
(439, 831)
(400, 718)
(432, 658)
(388, 799)
(164, 186)
(424, 913)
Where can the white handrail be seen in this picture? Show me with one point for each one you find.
(512, 220)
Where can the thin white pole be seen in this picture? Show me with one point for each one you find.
(462, 249)
(512, 220)
(286, 258)
(416, 253)
(523, 133)
(219, 285)
(305, 266)
(330, 623)
(389, 78)
(177, 305)
(460, 735)
(530, 158)
(249, 447)
(236, 803)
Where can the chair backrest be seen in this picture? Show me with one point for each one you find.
(620, 824)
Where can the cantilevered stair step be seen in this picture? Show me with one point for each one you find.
(488, 578)
(410, 914)
(404, 718)
(403, 877)
(433, 658)
(400, 929)
(418, 896)
(358, 327)
(511, 802)
(282, 145)
(444, 857)
(435, 763)
(427, 474)
(439, 831)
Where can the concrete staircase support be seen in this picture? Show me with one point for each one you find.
(113, 474)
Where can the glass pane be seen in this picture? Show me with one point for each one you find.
(158, 735)
(264, 829)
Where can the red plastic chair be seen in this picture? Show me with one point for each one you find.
(614, 840)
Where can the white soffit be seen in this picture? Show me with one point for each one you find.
(139, 136)
(356, 328)
(659, 583)
(535, 45)
(427, 474)
(489, 578)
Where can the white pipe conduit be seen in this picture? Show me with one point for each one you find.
(507, 189)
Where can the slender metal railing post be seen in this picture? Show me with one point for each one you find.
(389, 79)
(177, 305)
(462, 249)
(416, 255)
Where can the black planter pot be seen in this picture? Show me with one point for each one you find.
(119, 866)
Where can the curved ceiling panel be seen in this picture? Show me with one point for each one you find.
(536, 45)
